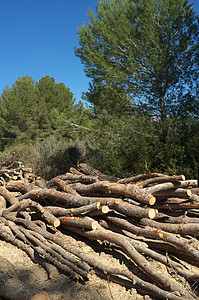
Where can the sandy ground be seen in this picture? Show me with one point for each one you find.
(62, 287)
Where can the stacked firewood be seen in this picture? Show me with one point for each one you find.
(149, 218)
(15, 171)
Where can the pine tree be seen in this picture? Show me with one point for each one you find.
(148, 47)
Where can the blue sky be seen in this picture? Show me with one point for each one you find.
(37, 39)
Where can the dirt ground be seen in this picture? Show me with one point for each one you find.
(62, 287)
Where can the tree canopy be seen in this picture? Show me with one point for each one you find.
(147, 47)
(27, 108)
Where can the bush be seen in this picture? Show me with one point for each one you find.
(26, 153)
(57, 156)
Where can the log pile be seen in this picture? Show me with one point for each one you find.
(148, 218)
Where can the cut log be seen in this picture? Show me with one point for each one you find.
(71, 178)
(179, 192)
(154, 180)
(171, 185)
(114, 189)
(100, 211)
(89, 170)
(67, 199)
(45, 215)
(85, 222)
(60, 211)
(183, 229)
(20, 186)
(2, 203)
(62, 185)
(131, 210)
(140, 177)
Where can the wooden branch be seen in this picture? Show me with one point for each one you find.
(195, 190)
(44, 248)
(97, 265)
(183, 229)
(104, 209)
(162, 217)
(143, 248)
(84, 202)
(171, 200)
(178, 206)
(161, 279)
(154, 233)
(2, 203)
(194, 197)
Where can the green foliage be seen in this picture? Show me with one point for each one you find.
(121, 146)
(148, 48)
(110, 98)
(26, 109)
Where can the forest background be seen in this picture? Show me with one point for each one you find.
(141, 112)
